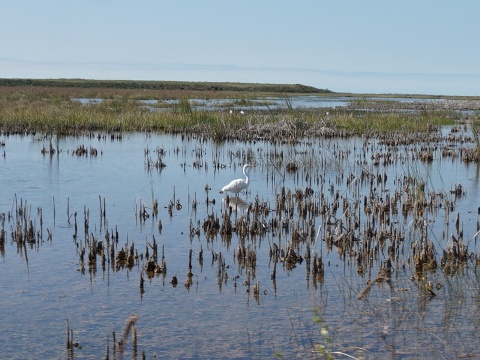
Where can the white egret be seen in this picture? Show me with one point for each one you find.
(236, 186)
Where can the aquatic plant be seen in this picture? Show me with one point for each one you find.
(475, 126)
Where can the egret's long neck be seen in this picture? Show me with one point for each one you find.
(246, 173)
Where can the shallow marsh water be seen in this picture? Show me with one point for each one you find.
(42, 284)
(271, 102)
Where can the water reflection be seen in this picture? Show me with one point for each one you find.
(235, 203)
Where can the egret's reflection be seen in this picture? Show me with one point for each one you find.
(235, 203)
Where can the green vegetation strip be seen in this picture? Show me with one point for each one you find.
(163, 85)
(30, 109)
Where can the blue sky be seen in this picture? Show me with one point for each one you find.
(415, 47)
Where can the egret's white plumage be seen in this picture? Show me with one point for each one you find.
(238, 185)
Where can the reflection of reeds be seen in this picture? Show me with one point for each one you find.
(127, 328)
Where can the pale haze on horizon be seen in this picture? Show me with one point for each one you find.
(402, 47)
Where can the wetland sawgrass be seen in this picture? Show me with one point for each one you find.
(396, 123)
(120, 114)
(67, 118)
(475, 127)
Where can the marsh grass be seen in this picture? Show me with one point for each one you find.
(475, 126)
(30, 110)
(245, 102)
(391, 122)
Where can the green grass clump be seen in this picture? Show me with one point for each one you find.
(71, 117)
(392, 122)
(475, 126)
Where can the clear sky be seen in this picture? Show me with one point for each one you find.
(382, 46)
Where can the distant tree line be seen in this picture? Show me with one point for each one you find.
(164, 85)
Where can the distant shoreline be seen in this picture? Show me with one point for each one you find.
(229, 89)
(165, 85)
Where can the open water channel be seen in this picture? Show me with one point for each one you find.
(296, 314)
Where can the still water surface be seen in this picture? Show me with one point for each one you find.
(42, 285)
(269, 102)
